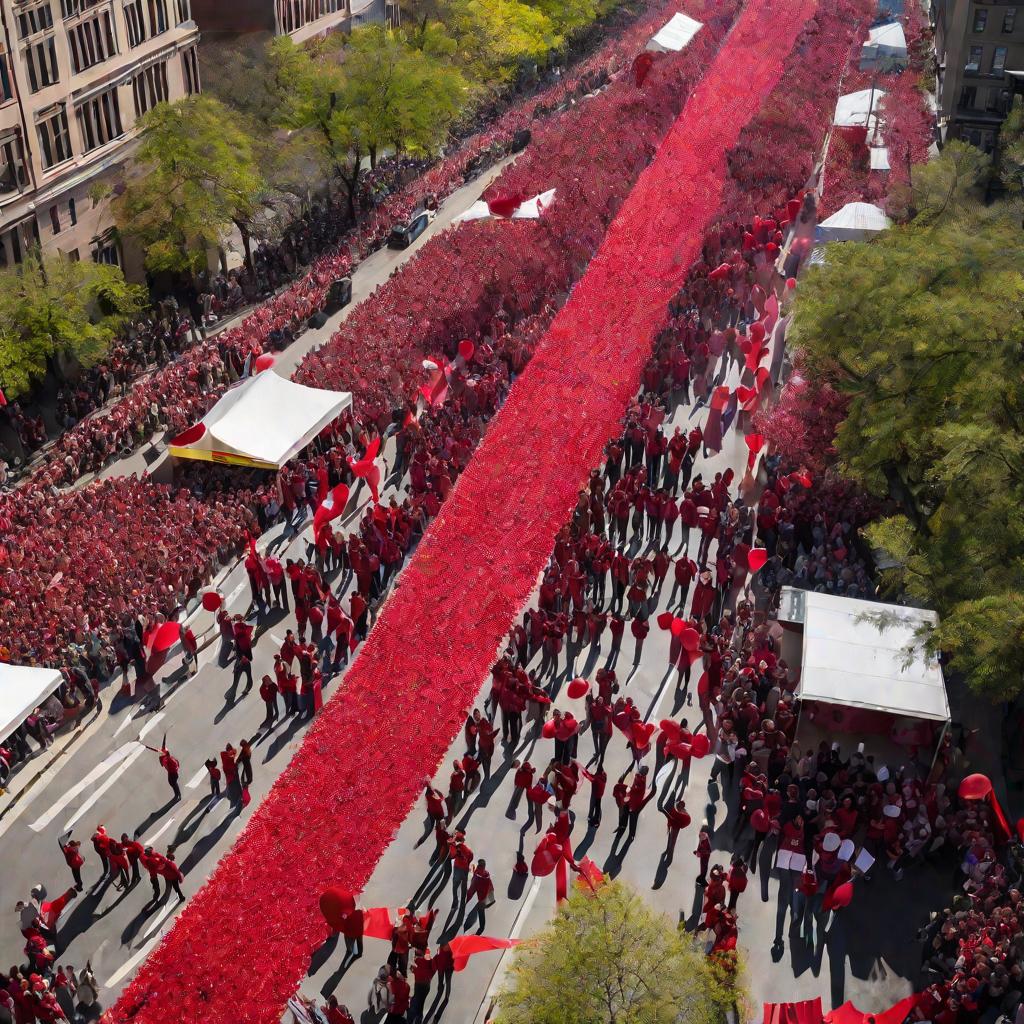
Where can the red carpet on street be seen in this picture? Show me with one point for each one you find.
(242, 944)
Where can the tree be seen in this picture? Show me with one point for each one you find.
(1011, 149)
(196, 174)
(922, 330)
(59, 307)
(607, 958)
(378, 92)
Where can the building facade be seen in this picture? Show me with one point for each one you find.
(979, 55)
(222, 22)
(75, 77)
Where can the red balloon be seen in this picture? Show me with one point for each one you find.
(212, 600)
(665, 620)
(791, 282)
(757, 331)
(701, 745)
(678, 749)
(679, 627)
(761, 820)
(264, 362)
(578, 688)
(839, 897)
(671, 728)
(745, 394)
(546, 856)
(466, 349)
(975, 787)
(756, 557)
(690, 639)
(548, 732)
(642, 733)
(335, 903)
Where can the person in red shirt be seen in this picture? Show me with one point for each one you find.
(638, 797)
(462, 861)
(169, 763)
(483, 889)
(805, 893)
(211, 767)
(598, 780)
(639, 628)
(676, 818)
(456, 789)
(133, 851)
(268, 694)
(153, 863)
(399, 998)
(172, 877)
(703, 853)
(73, 859)
(336, 1013)
(737, 880)
(100, 842)
(422, 975)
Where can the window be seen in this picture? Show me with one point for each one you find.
(106, 250)
(157, 16)
(69, 8)
(184, 9)
(998, 60)
(1009, 17)
(73, 215)
(55, 220)
(92, 41)
(54, 137)
(968, 97)
(33, 20)
(6, 82)
(998, 101)
(99, 120)
(149, 87)
(980, 18)
(134, 23)
(13, 174)
(16, 241)
(974, 61)
(41, 63)
(190, 66)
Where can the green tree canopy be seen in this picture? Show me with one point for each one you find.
(607, 958)
(376, 93)
(196, 174)
(57, 307)
(922, 328)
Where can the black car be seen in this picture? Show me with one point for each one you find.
(403, 235)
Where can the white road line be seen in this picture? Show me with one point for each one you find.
(158, 920)
(151, 841)
(277, 640)
(234, 593)
(80, 787)
(157, 718)
(127, 723)
(197, 778)
(115, 775)
(129, 965)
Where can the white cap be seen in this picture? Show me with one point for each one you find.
(846, 849)
(831, 842)
(891, 811)
(882, 774)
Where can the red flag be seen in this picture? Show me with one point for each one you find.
(330, 507)
(465, 946)
(377, 923)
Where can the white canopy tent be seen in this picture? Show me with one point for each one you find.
(22, 689)
(854, 222)
(859, 109)
(531, 209)
(862, 654)
(880, 158)
(675, 34)
(885, 49)
(263, 421)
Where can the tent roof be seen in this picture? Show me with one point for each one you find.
(853, 221)
(21, 690)
(890, 36)
(863, 654)
(262, 421)
(675, 34)
(853, 108)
